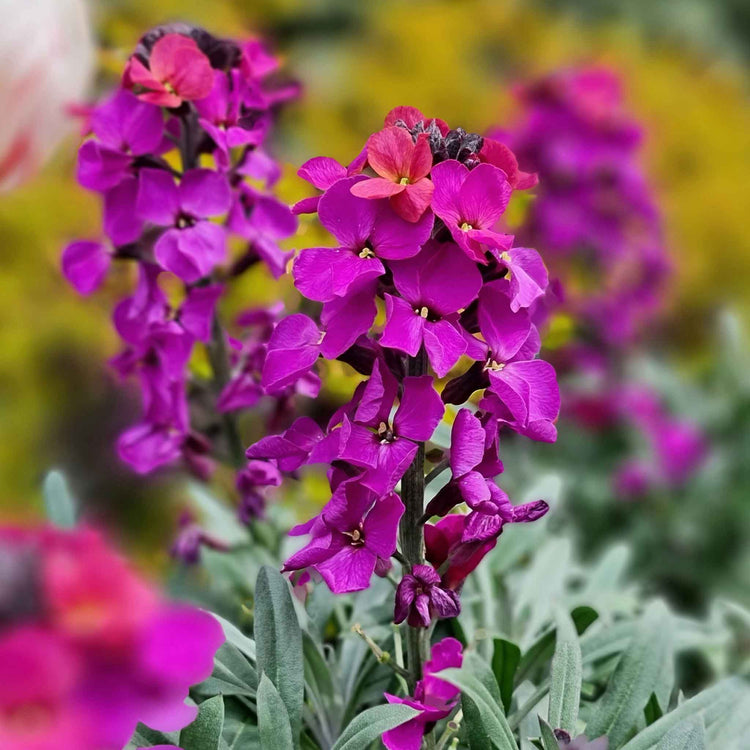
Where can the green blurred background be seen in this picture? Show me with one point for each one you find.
(684, 68)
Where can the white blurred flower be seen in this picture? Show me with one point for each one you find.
(46, 61)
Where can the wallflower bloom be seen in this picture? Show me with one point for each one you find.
(354, 534)
(471, 203)
(420, 596)
(96, 651)
(386, 449)
(433, 286)
(402, 165)
(367, 231)
(177, 71)
(434, 698)
(193, 246)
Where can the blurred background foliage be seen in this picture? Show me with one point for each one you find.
(683, 66)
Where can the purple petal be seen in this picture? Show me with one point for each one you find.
(445, 603)
(404, 327)
(420, 410)
(348, 218)
(504, 331)
(359, 445)
(292, 350)
(444, 345)
(481, 526)
(322, 172)
(197, 310)
(85, 264)
(345, 319)
(377, 397)
(204, 193)
(393, 238)
(484, 196)
(101, 168)
(322, 273)
(157, 201)
(448, 177)
(528, 277)
(349, 570)
(381, 525)
(475, 491)
(121, 224)
(193, 252)
(467, 443)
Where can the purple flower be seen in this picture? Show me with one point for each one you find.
(433, 286)
(367, 231)
(192, 246)
(121, 223)
(527, 275)
(223, 117)
(420, 596)
(354, 531)
(323, 172)
(125, 128)
(262, 220)
(85, 264)
(471, 203)
(386, 449)
(433, 697)
(250, 482)
(190, 538)
(291, 449)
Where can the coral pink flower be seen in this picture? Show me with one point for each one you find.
(403, 166)
(178, 71)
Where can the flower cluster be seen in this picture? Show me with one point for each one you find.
(416, 219)
(596, 217)
(595, 214)
(87, 648)
(206, 104)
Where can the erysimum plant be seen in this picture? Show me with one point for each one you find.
(415, 219)
(177, 155)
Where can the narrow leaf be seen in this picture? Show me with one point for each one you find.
(689, 734)
(505, 659)
(548, 736)
(488, 711)
(653, 711)
(205, 732)
(59, 504)
(278, 642)
(273, 719)
(715, 704)
(371, 724)
(637, 672)
(565, 685)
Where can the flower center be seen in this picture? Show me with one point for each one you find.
(356, 536)
(403, 181)
(385, 433)
(366, 252)
(494, 366)
(465, 227)
(423, 312)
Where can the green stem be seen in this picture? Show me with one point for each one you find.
(219, 359)
(410, 531)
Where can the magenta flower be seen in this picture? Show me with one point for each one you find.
(192, 246)
(385, 450)
(444, 542)
(125, 128)
(471, 203)
(323, 172)
(250, 483)
(367, 232)
(499, 155)
(85, 264)
(177, 71)
(527, 275)
(433, 286)
(221, 114)
(354, 533)
(433, 697)
(420, 596)
(97, 651)
(402, 165)
(293, 448)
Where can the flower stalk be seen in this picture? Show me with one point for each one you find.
(410, 533)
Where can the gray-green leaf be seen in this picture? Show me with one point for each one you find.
(638, 671)
(687, 735)
(493, 722)
(58, 501)
(505, 659)
(372, 724)
(205, 732)
(273, 719)
(548, 736)
(565, 685)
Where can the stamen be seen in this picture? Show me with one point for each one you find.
(423, 312)
(465, 227)
(365, 252)
(403, 181)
